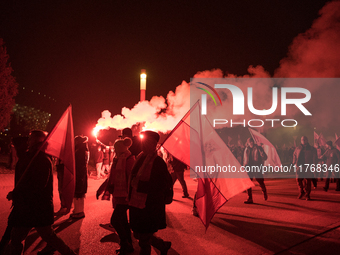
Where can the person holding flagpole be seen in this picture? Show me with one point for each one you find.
(33, 198)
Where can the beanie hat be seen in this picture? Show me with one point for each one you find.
(122, 145)
(151, 134)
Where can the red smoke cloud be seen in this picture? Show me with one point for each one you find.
(315, 53)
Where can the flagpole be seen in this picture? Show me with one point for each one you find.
(201, 137)
(252, 135)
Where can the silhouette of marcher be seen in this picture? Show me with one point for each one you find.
(331, 158)
(60, 176)
(254, 155)
(120, 173)
(148, 185)
(99, 162)
(20, 144)
(136, 146)
(106, 160)
(33, 199)
(304, 155)
(82, 156)
(178, 174)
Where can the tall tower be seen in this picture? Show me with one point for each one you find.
(142, 85)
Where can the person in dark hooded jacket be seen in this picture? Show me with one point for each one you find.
(303, 158)
(82, 156)
(332, 161)
(254, 155)
(149, 182)
(33, 198)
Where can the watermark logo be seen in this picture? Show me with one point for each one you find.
(204, 97)
(238, 99)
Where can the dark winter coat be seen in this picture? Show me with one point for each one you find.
(81, 157)
(331, 157)
(33, 194)
(254, 157)
(152, 217)
(177, 165)
(304, 155)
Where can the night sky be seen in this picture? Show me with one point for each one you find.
(90, 53)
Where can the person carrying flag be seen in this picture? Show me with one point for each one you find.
(33, 198)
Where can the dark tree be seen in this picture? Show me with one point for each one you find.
(8, 87)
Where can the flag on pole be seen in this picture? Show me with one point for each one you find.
(273, 158)
(322, 140)
(178, 141)
(319, 139)
(229, 140)
(337, 142)
(201, 141)
(60, 144)
(295, 137)
(316, 138)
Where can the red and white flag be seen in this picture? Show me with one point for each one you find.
(295, 137)
(337, 142)
(319, 139)
(60, 144)
(273, 158)
(195, 136)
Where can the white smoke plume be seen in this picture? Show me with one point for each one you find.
(157, 114)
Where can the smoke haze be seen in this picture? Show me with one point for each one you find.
(313, 54)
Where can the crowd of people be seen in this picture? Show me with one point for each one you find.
(304, 157)
(138, 178)
(139, 183)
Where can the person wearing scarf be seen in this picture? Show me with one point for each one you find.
(117, 186)
(149, 181)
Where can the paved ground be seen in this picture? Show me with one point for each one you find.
(281, 225)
